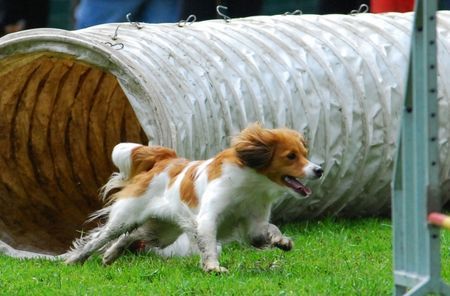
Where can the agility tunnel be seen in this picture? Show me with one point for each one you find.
(67, 97)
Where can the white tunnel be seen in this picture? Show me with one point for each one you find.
(339, 79)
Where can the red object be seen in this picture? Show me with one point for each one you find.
(377, 6)
(436, 218)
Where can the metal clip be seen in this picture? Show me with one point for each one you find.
(136, 24)
(116, 32)
(117, 46)
(362, 9)
(226, 18)
(189, 21)
(295, 12)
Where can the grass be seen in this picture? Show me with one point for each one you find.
(330, 257)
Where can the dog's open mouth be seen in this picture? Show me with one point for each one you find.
(298, 186)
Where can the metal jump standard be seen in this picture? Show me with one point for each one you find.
(415, 190)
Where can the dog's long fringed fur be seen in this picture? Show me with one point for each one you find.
(164, 199)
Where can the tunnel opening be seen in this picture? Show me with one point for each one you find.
(60, 119)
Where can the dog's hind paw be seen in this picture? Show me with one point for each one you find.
(74, 259)
(110, 257)
(285, 244)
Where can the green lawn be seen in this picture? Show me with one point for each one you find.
(331, 257)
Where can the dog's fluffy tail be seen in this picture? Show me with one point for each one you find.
(122, 159)
(132, 159)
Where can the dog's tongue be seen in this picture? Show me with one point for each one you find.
(297, 185)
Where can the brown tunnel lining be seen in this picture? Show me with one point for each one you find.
(59, 120)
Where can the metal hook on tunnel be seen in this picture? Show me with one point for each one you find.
(226, 18)
(116, 32)
(136, 24)
(363, 8)
(295, 12)
(189, 21)
(117, 46)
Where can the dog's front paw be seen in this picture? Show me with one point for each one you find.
(284, 243)
(214, 268)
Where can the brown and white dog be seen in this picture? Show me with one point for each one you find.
(162, 196)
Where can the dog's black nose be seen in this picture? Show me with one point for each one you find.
(318, 172)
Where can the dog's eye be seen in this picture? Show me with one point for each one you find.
(292, 156)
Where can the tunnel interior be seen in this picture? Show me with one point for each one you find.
(60, 119)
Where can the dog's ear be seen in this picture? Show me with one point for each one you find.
(254, 146)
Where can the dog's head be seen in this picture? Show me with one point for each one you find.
(279, 154)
